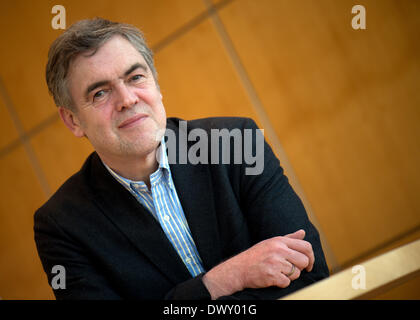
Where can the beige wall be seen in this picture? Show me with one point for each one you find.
(341, 108)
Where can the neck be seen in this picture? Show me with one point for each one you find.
(134, 168)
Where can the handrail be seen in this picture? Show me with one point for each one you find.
(367, 279)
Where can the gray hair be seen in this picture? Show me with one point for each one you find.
(82, 37)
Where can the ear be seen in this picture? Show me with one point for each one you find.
(71, 121)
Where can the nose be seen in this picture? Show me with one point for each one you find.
(126, 98)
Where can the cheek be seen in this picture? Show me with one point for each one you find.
(159, 108)
(162, 112)
(155, 104)
(161, 117)
(99, 123)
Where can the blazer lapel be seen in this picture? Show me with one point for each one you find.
(135, 222)
(195, 192)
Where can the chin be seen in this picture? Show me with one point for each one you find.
(140, 148)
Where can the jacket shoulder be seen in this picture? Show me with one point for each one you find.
(74, 190)
(215, 123)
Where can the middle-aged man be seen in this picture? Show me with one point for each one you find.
(135, 223)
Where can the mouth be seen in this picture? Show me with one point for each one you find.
(132, 121)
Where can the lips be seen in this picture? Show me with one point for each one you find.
(131, 121)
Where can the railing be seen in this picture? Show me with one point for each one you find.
(367, 279)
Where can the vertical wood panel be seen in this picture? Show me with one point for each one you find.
(198, 80)
(344, 104)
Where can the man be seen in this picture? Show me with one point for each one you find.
(130, 224)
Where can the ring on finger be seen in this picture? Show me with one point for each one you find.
(292, 271)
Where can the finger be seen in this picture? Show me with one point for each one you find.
(311, 266)
(303, 247)
(288, 271)
(300, 234)
(282, 281)
(300, 260)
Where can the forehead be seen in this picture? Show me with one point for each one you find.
(108, 62)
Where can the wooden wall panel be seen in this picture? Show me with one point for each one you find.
(25, 29)
(345, 106)
(157, 19)
(60, 153)
(8, 132)
(21, 275)
(197, 79)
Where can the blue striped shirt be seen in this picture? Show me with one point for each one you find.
(163, 203)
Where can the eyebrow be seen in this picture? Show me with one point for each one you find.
(101, 83)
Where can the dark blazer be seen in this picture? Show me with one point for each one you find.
(112, 248)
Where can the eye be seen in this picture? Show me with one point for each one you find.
(99, 94)
(137, 77)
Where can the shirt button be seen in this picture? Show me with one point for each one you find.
(188, 260)
(166, 218)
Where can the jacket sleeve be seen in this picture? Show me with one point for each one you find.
(193, 289)
(273, 209)
(80, 280)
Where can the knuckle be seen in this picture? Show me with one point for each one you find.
(309, 247)
(272, 258)
(278, 242)
(269, 278)
(296, 274)
(305, 262)
(306, 245)
(281, 248)
(283, 282)
(278, 248)
(269, 272)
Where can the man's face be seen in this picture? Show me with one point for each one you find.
(118, 105)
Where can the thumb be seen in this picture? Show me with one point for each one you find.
(300, 234)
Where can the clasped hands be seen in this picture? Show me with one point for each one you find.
(267, 263)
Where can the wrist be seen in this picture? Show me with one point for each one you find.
(223, 280)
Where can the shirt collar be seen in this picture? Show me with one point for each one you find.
(163, 164)
(163, 157)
